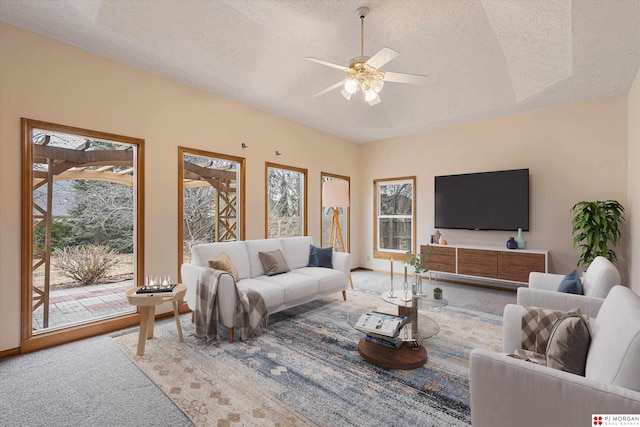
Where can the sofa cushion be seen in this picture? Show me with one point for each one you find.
(615, 341)
(237, 251)
(255, 246)
(600, 277)
(273, 262)
(329, 280)
(296, 287)
(568, 344)
(296, 250)
(272, 294)
(224, 263)
(320, 257)
(571, 284)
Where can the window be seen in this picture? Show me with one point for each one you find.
(394, 212)
(82, 222)
(286, 201)
(210, 199)
(327, 213)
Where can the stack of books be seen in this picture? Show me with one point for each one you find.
(382, 328)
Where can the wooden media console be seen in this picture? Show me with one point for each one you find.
(484, 262)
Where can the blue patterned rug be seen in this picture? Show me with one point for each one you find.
(306, 370)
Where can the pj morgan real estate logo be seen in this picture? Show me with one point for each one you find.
(617, 420)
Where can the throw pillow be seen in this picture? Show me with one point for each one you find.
(223, 262)
(571, 284)
(537, 324)
(320, 257)
(568, 343)
(273, 262)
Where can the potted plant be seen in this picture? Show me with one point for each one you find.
(437, 293)
(594, 226)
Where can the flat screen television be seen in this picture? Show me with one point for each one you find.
(483, 201)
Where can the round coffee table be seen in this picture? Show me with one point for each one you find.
(412, 354)
(147, 304)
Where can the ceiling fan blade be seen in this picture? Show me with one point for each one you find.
(414, 79)
(383, 56)
(328, 64)
(330, 88)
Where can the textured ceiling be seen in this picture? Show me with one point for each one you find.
(484, 58)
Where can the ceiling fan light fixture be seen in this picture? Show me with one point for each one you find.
(376, 85)
(370, 95)
(346, 94)
(351, 86)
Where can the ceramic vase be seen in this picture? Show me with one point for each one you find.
(520, 241)
(511, 243)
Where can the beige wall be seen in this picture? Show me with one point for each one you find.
(46, 80)
(633, 204)
(576, 152)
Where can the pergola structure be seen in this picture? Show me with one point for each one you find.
(224, 182)
(52, 163)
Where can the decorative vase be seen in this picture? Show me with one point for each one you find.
(416, 287)
(436, 237)
(520, 241)
(511, 243)
(437, 294)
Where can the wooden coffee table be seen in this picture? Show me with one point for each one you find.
(412, 353)
(406, 357)
(147, 304)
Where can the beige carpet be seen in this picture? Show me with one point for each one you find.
(305, 370)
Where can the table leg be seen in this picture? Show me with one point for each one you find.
(176, 314)
(151, 321)
(142, 335)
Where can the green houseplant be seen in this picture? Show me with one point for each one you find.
(594, 226)
(419, 264)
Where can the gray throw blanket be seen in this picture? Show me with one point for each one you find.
(249, 313)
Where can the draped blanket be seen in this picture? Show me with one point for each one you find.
(249, 313)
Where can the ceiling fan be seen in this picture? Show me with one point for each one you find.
(363, 71)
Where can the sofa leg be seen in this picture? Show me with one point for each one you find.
(344, 295)
(230, 331)
(193, 316)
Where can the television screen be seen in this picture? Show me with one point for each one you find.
(483, 201)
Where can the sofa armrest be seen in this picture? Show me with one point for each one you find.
(589, 306)
(511, 392)
(511, 328)
(342, 261)
(192, 275)
(545, 281)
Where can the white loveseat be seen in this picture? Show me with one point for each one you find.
(597, 281)
(510, 392)
(279, 292)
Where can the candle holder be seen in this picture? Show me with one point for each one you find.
(405, 287)
(391, 294)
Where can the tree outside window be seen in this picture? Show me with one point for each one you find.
(395, 216)
(286, 201)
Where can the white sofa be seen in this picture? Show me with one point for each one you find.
(279, 292)
(510, 392)
(597, 281)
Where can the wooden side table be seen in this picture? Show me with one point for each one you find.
(147, 304)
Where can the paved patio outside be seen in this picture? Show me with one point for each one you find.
(86, 303)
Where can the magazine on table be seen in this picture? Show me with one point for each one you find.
(384, 324)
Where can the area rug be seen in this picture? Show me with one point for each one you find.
(305, 370)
